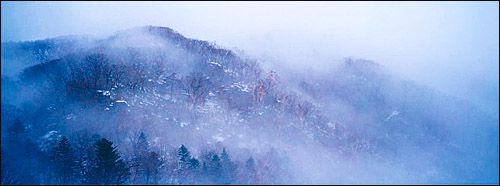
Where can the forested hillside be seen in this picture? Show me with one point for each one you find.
(149, 106)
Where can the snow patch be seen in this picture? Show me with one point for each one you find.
(50, 133)
(218, 138)
(70, 116)
(106, 93)
(331, 125)
(122, 101)
(394, 113)
(240, 85)
(215, 63)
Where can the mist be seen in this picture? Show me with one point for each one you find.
(429, 42)
(355, 92)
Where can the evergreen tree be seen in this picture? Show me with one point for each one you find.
(184, 156)
(153, 166)
(228, 168)
(64, 161)
(212, 168)
(139, 160)
(9, 174)
(145, 164)
(108, 167)
(142, 146)
(194, 163)
(16, 132)
(23, 157)
(187, 166)
(250, 172)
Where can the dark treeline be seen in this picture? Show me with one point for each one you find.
(92, 159)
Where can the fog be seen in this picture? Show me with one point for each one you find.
(368, 92)
(451, 46)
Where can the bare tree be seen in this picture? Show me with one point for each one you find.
(303, 110)
(196, 86)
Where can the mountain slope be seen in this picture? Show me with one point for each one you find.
(185, 91)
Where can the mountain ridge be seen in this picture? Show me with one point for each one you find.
(186, 91)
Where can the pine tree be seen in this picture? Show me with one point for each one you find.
(212, 167)
(153, 166)
(250, 172)
(23, 155)
(146, 164)
(228, 168)
(16, 132)
(64, 161)
(9, 174)
(142, 146)
(184, 156)
(140, 159)
(108, 168)
(187, 166)
(194, 163)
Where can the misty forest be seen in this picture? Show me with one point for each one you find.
(147, 105)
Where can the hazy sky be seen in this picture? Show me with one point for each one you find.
(451, 46)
